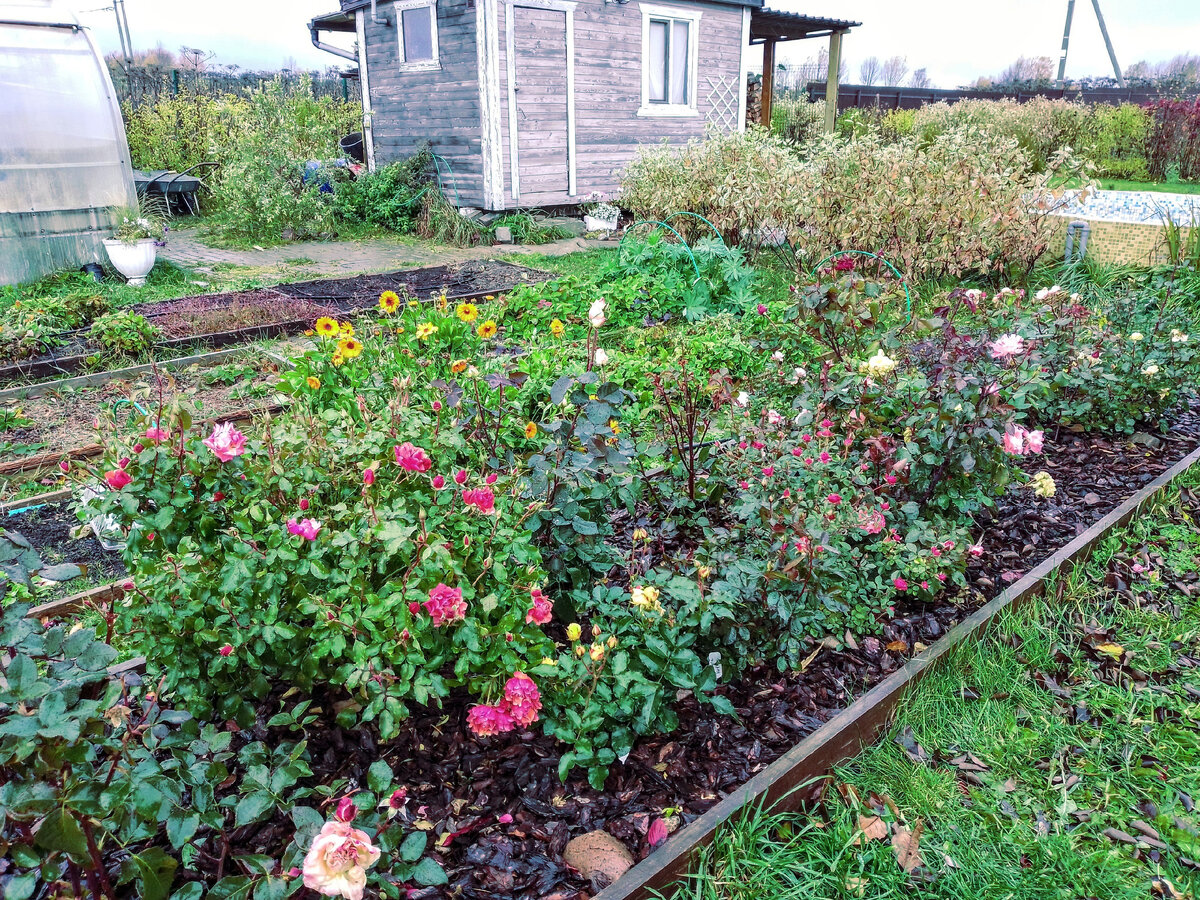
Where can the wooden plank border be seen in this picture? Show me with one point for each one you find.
(859, 725)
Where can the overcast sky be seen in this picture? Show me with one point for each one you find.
(956, 40)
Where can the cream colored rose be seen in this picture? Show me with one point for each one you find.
(337, 862)
(596, 313)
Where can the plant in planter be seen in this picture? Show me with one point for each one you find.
(601, 215)
(134, 245)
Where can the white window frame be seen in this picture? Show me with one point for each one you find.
(674, 14)
(418, 65)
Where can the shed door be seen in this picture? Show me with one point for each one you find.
(539, 115)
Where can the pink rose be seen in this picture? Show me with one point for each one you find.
(438, 482)
(490, 480)
(482, 499)
(346, 810)
(521, 699)
(226, 442)
(542, 609)
(227, 650)
(156, 435)
(412, 459)
(437, 405)
(762, 310)
(336, 864)
(460, 477)
(975, 550)
(139, 447)
(117, 478)
(486, 721)
(900, 583)
(1007, 346)
(303, 504)
(368, 476)
(64, 465)
(445, 605)
(1033, 441)
(834, 499)
(768, 471)
(305, 528)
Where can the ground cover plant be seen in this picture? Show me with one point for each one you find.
(576, 509)
(1055, 758)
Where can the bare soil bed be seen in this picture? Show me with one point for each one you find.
(64, 421)
(51, 529)
(460, 786)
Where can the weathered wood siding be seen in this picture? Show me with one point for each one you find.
(440, 105)
(608, 91)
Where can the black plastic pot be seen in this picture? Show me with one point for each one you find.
(352, 146)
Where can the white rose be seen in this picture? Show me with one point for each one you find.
(880, 365)
(596, 313)
(601, 356)
(1136, 336)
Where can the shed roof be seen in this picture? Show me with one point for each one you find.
(772, 25)
(334, 21)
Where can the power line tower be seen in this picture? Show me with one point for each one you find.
(1112, 54)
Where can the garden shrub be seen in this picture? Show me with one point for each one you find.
(797, 120)
(958, 203)
(260, 191)
(177, 133)
(390, 196)
(1173, 141)
(1119, 141)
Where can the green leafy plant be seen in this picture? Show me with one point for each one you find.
(123, 333)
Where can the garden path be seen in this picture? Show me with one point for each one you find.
(339, 258)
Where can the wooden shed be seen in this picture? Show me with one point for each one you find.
(538, 103)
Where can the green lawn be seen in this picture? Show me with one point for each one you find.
(1060, 758)
(1172, 187)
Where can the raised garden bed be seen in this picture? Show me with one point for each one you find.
(711, 765)
(221, 320)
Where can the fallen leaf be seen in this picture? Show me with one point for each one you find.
(968, 762)
(914, 750)
(872, 828)
(897, 647)
(598, 853)
(1110, 649)
(1009, 785)
(856, 887)
(1120, 836)
(1163, 888)
(906, 846)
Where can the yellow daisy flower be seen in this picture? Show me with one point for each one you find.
(458, 366)
(326, 327)
(467, 312)
(389, 301)
(313, 382)
(530, 430)
(443, 302)
(308, 332)
(425, 329)
(557, 328)
(346, 330)
(487, 330)
(350, 348)
(614, 426)
(338, 359)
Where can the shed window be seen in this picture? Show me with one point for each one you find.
(416, 22)
(669, 36)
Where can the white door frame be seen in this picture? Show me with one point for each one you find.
(567, 7)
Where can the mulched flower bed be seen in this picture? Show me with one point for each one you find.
(50, 529)
(460, 785)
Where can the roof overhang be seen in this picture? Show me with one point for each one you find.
(772, 25)
(334, 21)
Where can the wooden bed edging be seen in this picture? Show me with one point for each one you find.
(40, 389)
(25, 463)
(858, 726)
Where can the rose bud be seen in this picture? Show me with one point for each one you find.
(226, 650)
(346, 810)
(138, 448)
(303, 504)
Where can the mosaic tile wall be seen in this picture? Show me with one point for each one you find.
(1117, 243)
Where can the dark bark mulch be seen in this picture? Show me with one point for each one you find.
(463, 785)
(50, 529)
(471, 277)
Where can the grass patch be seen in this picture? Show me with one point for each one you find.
(1171, 187)
(1058, 758)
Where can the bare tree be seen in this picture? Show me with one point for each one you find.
(920, 79)
(868, 72)
(893, 71)
(1037, 70)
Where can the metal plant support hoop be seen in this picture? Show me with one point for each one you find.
(660, 224)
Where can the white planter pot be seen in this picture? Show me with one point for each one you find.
(134, 261)
(591, 223)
